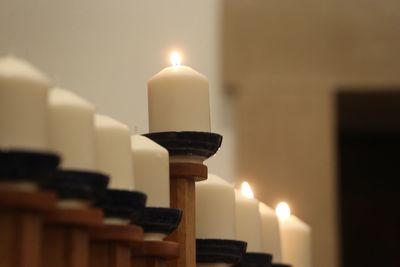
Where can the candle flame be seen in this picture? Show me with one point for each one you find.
(246, 191)
(283, 211)
(175, 58)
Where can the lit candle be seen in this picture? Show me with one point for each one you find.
(295, 238)
(113, 153)
(178, 99)
(248, 219)
(23, 105)
(151, 170)
(271, 240)
(215, 209)
(71, 133)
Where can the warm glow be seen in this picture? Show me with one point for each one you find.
(283, 211)
(175, 58)
(246, 191)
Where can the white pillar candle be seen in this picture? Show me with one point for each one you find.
(215, 209)
(151, 170)
(178, 99)
(295, 238)
(71, 133)
(113, 153)
(271, 239)
(23, 105)
(248, 219)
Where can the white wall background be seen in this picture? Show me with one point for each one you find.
(107, 50)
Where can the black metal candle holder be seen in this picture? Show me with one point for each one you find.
(27, 166)
(219, 251)
(252, 259)
(81, 185)
(123, 204)
(159, 220)
(187, 143)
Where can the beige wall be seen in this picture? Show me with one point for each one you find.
(285, 60)
(107, 51)
(286, 150)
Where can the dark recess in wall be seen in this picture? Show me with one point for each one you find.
(369, 177)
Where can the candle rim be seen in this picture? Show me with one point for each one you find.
(105, 121)
(172, 72)
(143, 143)
(265, 208)
(61, 96)
(12, 67)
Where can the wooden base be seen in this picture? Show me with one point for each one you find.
(21, 227)
(183, 196)
(110, 245)
(154, 253)
(66, 237)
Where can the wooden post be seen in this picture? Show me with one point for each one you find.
(187, 150)
(66, 237)
(154, 253)
(110, 245)
(21, 216)
(182, 193)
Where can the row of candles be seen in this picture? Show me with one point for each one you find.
(34, 116)
(265, 230)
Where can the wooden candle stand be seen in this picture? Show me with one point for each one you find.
(182, 191)
(66, 237)
(21, 215)
(154, 253)
(110, 245)
(187, 150)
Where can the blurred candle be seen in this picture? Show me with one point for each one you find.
(215, 209)
(271, 239)
(248, 219)
(295, 238)
(178, 99)
(23, 105)
(113, 153)
(151, 170)
(71, 129)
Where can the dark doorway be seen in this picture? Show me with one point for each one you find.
(369, 177)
